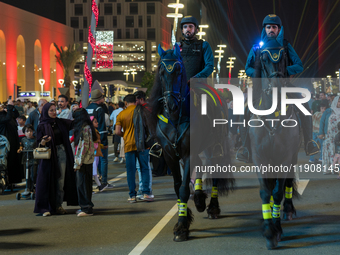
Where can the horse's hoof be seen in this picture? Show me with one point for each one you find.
(213, 216)
(181, 237)
(287, 216)
(278, 237)
(271, 243)
(199, 199)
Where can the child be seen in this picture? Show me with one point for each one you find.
(29, 143)
(21, 123)
(97, 154)
(336, 159)
(84, 135)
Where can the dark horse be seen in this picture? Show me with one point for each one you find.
(171, 124)
(275, 145)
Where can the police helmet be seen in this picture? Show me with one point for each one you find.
(189, 19)
(272, 19)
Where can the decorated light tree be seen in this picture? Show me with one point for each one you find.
(90, 50)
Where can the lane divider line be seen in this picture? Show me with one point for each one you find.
(154, 232)
(302, 185)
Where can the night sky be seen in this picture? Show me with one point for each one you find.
(51, 9)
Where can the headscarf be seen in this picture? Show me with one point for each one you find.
(73, 106)
(44, 118)
(335, 109)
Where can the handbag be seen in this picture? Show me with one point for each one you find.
(42, 153)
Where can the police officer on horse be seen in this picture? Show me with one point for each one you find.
(197, 55)
(278, 59)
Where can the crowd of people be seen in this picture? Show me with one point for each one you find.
(78, 140)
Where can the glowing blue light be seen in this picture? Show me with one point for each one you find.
(261, 44)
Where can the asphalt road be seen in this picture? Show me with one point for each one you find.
(146, 227)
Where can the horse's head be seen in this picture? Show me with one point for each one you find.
(172, 78)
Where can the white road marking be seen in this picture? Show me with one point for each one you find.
(302, 184)
(154, 232)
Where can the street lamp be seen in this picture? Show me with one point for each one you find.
(61, 82)
(175, 15)
(133, 74)
(42, 82)
(126, 74)
(230, 66)
(201, 33)
(219, 56)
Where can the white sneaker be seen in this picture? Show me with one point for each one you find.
(121, 161)
(116, 159)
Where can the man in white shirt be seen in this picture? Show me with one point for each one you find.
(116, 139)
(62, 104)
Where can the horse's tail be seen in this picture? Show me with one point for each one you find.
(224, 185)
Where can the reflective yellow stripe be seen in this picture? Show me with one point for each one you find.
(276, 211)
(161, 117)
(214, 192)
(266, 211)
(182, 209)
(271, 201)
(198, 184)
(289, 193)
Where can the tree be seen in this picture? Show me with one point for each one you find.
(147, 81)
(67, 59)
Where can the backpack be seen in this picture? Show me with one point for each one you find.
(4, 149)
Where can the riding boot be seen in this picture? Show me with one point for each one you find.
(245, 155)
(307, 128)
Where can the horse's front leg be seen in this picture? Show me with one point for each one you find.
(288, 207)
(181, 229)
(269, 230)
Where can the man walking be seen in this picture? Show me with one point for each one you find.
(116, 138)
(125, 122)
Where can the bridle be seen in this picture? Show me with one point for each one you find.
(169, 66)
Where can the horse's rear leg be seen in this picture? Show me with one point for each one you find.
(181, 229)
(199, 195)
(288, 207)
(214, 207)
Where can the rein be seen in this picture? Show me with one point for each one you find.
(170, 67)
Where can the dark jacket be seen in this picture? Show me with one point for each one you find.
(142, 137)
(33, 119)
(8, 128)
(99, 113)
(296, 66)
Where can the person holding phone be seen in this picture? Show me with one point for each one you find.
(56, 180)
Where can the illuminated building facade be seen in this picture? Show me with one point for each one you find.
(27, 53)
(138, 27)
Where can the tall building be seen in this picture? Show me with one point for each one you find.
(138, 27)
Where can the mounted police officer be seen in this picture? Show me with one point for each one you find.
(197, 55)
(276, 58)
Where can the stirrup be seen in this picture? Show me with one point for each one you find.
(245, 160)
(156, 152)
(313, 152)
